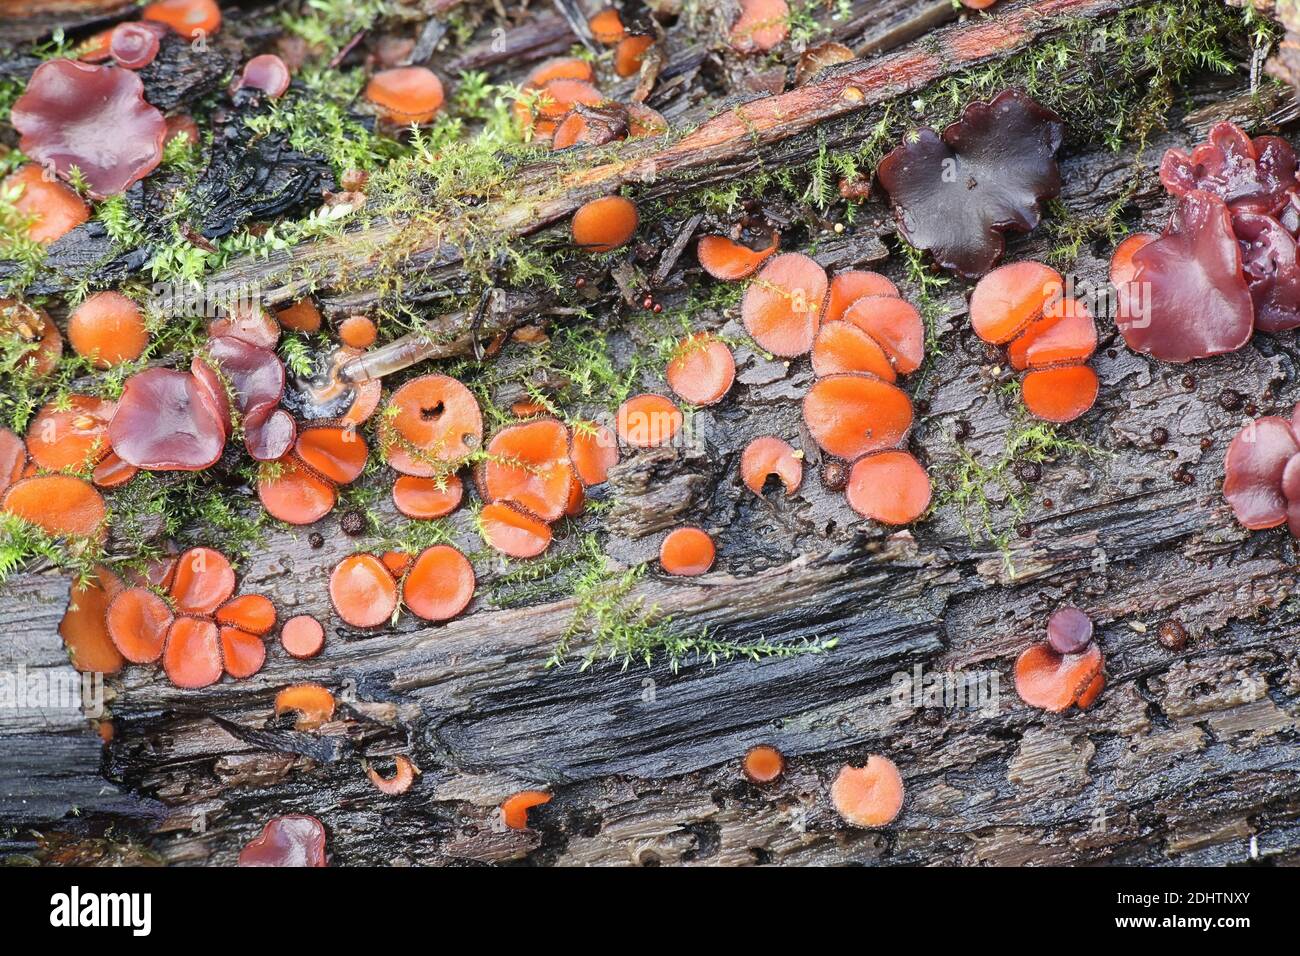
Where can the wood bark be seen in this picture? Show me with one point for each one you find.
(1189, 756)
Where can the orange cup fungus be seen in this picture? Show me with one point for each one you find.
(514, 532)
(300, 316)
(891, 487)
(401, 781)
(729, 260)
(847, 287)
(63, 506)
(436, 425)
(1064, 670)
(302, 636)
(701, 370)
(200, 629)
(607, 26)
(83, 627)
(782, 306)
(851, 415)
(604, 224)
(54, 209)
(302, 487)
(189, 18)
(439, 584)
(358, 332)
(648, 421)
(1048, 336)
(763, 764)
(514, 809)
(762, 25)
(593, 451)
(363, 591)
(768, 456)
(427, 498)
(630, 53)
(528, 464)
(687, 552)
(35, 333)
(844, 347)
(406, 94)
(896, 326)
(869, 796)
(313, 704)
(108, 330)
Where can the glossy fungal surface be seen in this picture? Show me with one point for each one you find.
(762, 25)
(252, 378)
(31, 332)
(701, 370)
(189, 18)
(363, 591)
(436, 424)
(13, 458)
(358, 332)
(687, 552)
(847, 287)
(70, 434)
(293, 493)
(767, 456)
(134, 45)
(1052, 681)
(439, 585)
(895, 324)
(853, 414)
(604, 224)
(138, 621)
(512, 531)
(53, 210)
(845, 347)
(302, 636)
(407, 94)
(958, 194)
(1269, 261)
(1248, 175)
(83, 626)
(296, 840)
(202, 582)
(167, 421)
(1060, 394)
(869, 796)
(1122, 268)
(514, 809)
(1069, 630)
(647, 421)
(266, 72)
(1254, 468)
(312, 704)
(191, 655)
(729, 260)
(300, 316)
(593, 451)
(528, 464)
(427, 498)
(335, 452)
(607, 26)
(62, 506)
(108, 329)
(254, 326)
(402, 778)
(783, 304)
(1065, 335)
(891, 487)
(763, 764)
(1188, 298)
(92, 117)
(1008, 299)
(630, 53)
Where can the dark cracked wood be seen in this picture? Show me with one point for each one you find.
(1188, 757)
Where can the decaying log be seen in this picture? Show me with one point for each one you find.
(547, 193)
